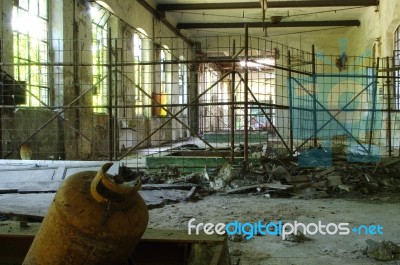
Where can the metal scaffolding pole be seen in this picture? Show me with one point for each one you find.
(64, 108)
(174, 117)
(290, 104)
(246, 97)
(110, 115)
(315, 121)
(232, 107)
(260, 105)
(115, 120)
(374, 89)
(389, 107)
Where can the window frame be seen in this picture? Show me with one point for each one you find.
(36, 49)
(100, 76)
(137, 67)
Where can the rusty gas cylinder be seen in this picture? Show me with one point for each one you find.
(93, 220)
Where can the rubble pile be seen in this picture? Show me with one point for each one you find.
(382, 251)
(285, 178)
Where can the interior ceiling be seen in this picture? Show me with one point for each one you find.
(281, 17)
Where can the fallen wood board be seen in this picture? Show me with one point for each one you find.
(47, 170)
(390, 161)
(171, 246)
(6, 191)
(302, 185)
(274, 186)
(35, 205)
(32, 187)
(52, 186)
(167, 186)
(325, 172)
(191, 194)
(299, 178)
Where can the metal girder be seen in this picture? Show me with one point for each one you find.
(270, 4)
(321, 3)
(162, 18)
(291, 24)
(203, 6)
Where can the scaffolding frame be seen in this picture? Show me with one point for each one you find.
(236, 68)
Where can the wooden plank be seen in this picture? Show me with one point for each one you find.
(181, 236)
(390, 161)
(60, 173)
(15, 243)
(191, 163)
(42, 170)
(31, 187)
(218, 251)
(35, 204)
(299, 178)
(53, 163)
(6, 191)
(325, 172)
(151, 234)
(167, 186)
(27, 175)
(274, 186)
(52, 186)
(191, 193)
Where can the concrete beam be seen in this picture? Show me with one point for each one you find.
(291, 24)
(321, 3)
(270, 4)
(204, 6)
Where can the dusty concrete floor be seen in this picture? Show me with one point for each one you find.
(336, 249)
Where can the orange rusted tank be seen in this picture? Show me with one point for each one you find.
(93, 220)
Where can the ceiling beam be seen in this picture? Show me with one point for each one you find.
(204, 6)
(291, 24)
(270, 4)
(156, 14)
(321, 3)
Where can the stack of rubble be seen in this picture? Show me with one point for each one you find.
(285, 178)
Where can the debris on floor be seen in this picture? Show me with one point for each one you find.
(382, 251)
(284, 177)
(266, 176)
(298, 238)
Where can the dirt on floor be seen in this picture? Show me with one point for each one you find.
(382, 209)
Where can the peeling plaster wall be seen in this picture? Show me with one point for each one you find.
(377, 26)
